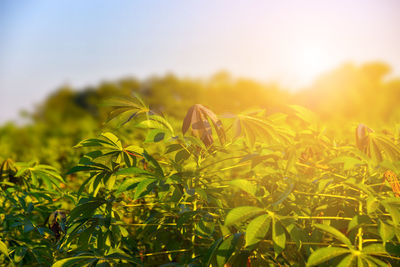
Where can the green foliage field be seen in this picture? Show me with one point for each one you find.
(163, 181)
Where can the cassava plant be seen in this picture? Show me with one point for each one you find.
(274, 190)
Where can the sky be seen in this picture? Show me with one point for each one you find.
(45, 44)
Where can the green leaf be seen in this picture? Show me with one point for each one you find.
(153, 163)
(86, 208)
(336, 233)
(113, 139)
(324, 254)
(372, 204)
(3, 248)
(124, 256)
(74, 261)
(385, 231)
(155, 136)
(284, 194)
(348, 261)
(257, 229)
(226, 249)
(212, 251)
(80, 168)
(374, 249)
(245, 185)
(240, 214)
(28, 226)
(111, 182)
(19, 253)
(278, 236)
(296, 234)
(373, 261)
(141, 188)
(128, 184)
(173, 147)
(303, 113)
(348, 162)
(182, 155)
(133, 171)
(393, 211)
(358, 221)
(134, 149)
(393, 249)
(205, 228)
(150, 124)
(163, 122)
(291, 160)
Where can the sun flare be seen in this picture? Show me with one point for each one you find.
(308, 61)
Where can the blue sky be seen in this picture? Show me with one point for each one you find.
(45, 43)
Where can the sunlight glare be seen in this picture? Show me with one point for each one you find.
(309, 61)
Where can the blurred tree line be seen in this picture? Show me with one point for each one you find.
(349, 93)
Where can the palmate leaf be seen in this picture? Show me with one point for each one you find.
(198, 118)
(154, 121)
(74, 261)
(245, 185)
(48, 174)
(110, 152)
(86, 209)
(284, 194)
(3, 248)
(375, 249)
(226, 248)
(324, 254)
(392, 207)
(134, 171)
(142, 187)
(358, 221)
(350, 260)
(372, 204)
(88, 260)
(106, 140)
(348, 162)
(374, 145)
(386, 231)
(127, 108)
(208, 257)
(303, 114)
(241, 214)
(278, 235)
(373, 261)
(7, 169)
(336, 233)
(257, 229)
(257, 128)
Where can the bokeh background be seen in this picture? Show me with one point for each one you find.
(59, 61)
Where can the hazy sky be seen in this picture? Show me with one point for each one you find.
(44, 44)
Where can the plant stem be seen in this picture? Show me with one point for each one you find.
(360, 211)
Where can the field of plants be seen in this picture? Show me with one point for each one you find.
(194, 185)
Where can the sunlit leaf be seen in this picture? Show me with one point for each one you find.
(385, 231)
(278, 236)
(241, 214)
(336, 233)
(74, 261)
(324, 254)
(226, 248)
(350, 260)
(142, 187)
(257, 229)
(3, 248)
(245, 185)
